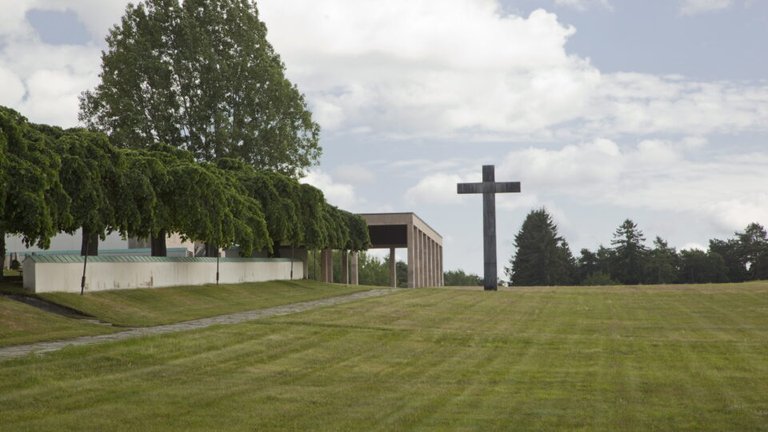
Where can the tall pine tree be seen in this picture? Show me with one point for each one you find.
(543, 257)
(630, 253)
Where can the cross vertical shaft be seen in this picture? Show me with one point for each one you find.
(489, 188)
(490, 281)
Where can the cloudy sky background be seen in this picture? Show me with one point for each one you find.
(604, 109)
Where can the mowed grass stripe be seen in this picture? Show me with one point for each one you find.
(151, 307)
(22, 324)
(568, 358)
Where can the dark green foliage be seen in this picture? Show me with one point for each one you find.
(70, 179)
(372, 271)
(297, 214)
(92, 175)
(201, 75)
(598, 278)
(588, 264)
(543, 257)
(697, 266)
(754, 251)
(310, 212)
(662, 263)
(630, 254)
(34, 204)
(730, 250)
(459, 278)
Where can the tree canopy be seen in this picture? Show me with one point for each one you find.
(200, 75)
(542, 257)
(630, 253)
(34, 202)
(63, 180)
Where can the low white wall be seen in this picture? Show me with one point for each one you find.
(63, 274)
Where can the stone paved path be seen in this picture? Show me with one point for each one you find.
(239, 317)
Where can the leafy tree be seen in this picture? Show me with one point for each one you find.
(92, 175)
(588, 264)
(310, 212)
(220, 213)
(606, 259)
(278, 196)
(33, 202)
(730, 251)
(697, 266)
(459, 278)
(630, 253)
(753, 247)
(662, 263)
(201, 75)
(371, 270)
(543, 257)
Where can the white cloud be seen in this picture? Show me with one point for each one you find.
(693, 7)
(584, 4)
(694, 246)
(408, 69)
(411, 68)
(12, 89)
(657, 175)
(354, 174)
(596, 162)
(436, 189)
(50, 78)
(339, 194)
(630, 103)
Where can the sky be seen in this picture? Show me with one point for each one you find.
(604, 110)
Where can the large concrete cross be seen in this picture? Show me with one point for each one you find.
(489, 188)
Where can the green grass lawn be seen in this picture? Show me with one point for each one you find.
(613, 359)
(148, 307)
(23, 324)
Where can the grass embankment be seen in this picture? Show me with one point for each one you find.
(634, 358)
(149, 307)
(23, 324)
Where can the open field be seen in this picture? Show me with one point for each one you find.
(616, 358)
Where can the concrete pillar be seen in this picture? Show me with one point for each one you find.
(424, 262)
(432, 272)
(353, 272)
(440, 265)
(416, 255)
(392, 268)
(411, 244)
(326, 266)
(345, 267)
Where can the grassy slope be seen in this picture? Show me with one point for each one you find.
(22, 324)
(147, 307)
(668, 358)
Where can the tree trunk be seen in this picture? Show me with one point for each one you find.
(211, 250)
(2, 254)
(159, 248)
(275, 250)
(90, 243)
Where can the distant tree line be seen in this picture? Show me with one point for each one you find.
(55, 180)
(543, 257)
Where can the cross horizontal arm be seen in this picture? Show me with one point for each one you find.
(488, 187)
